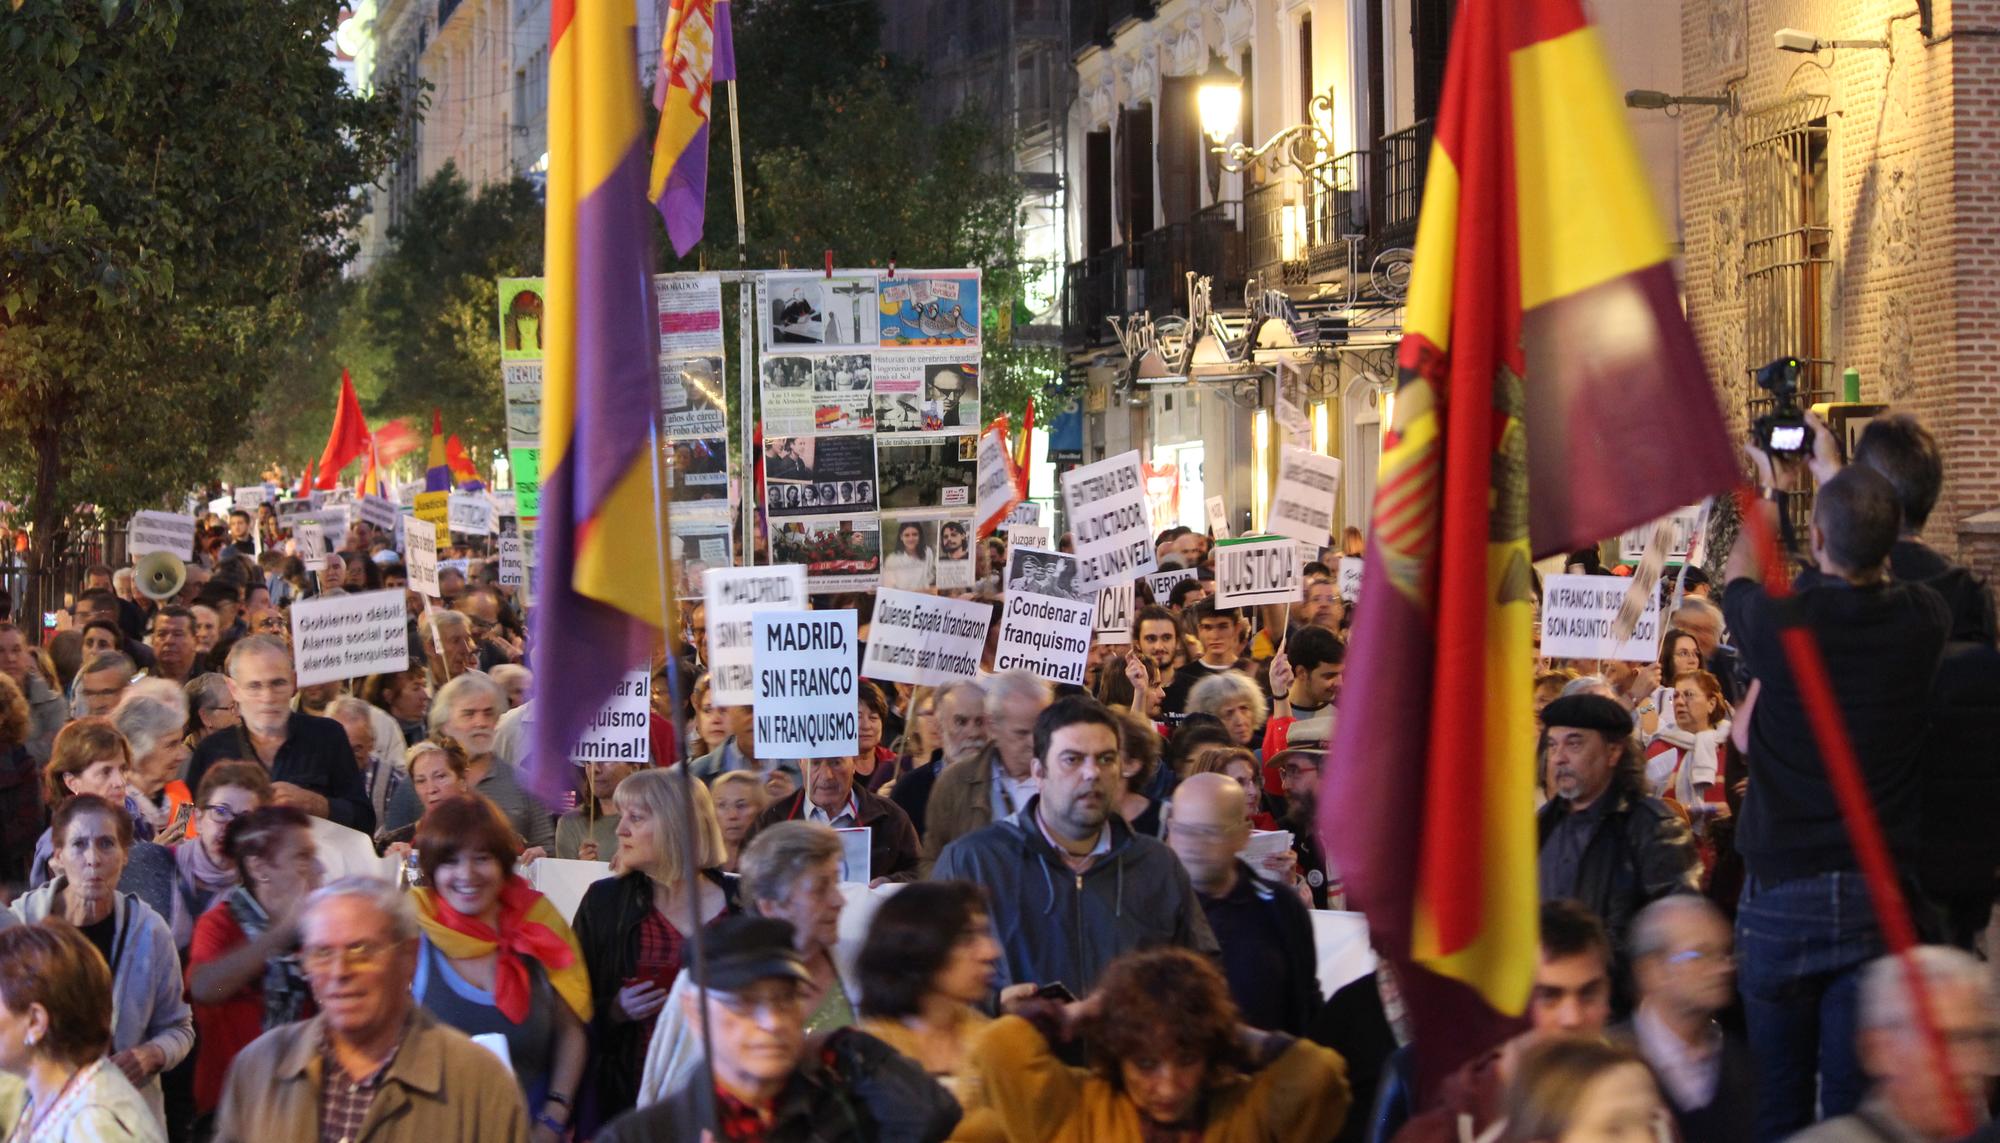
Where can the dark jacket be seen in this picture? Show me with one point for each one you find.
(607, 930)
(913, 789)
(1965, 592)
(1060, 926)
(850, 1088)
(892, 840)
(21, 814)
(1641, 851)
(315, 756)
(1961, 789)
(1293, 956)
(1725, 1118)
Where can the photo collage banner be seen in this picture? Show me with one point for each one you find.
(694, 430)
(871, 418)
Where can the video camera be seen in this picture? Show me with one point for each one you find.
(1783, 431)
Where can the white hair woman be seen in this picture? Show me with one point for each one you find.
(152, 715)
(1236, 700)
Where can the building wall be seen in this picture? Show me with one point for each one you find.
(1915, 287)
(470, 64)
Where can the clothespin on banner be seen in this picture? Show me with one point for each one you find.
(892, 267)
(829, 265)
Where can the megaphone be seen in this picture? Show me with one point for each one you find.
(159, 576)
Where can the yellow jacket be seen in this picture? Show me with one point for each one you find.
(1032, 1097)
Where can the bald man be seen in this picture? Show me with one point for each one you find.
(1263, 928)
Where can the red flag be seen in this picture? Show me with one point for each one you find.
(462, 468)
(1027, 448)
(305, 482)
(349, 439)
(395, 440)
(1548, 384)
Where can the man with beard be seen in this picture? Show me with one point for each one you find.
(1603, 841)
(309, 759)
(1298, 767)
(467, 709)
(1065, 877)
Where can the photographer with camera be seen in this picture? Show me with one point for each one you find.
(1805, 926)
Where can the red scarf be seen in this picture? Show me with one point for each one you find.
(517, 935)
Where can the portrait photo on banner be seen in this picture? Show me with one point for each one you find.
(806, 476)
(1044, 573)
(840, 553)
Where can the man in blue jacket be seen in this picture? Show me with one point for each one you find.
(1070, 885)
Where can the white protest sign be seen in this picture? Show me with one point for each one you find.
(291, 510)
(1162, 583)
(1302, 504)
(1218, 518)
(1114, 614)
(998, 489)
(379, 513)
(420, 556)
(1046, 620)
(620, 731)
(1253, 571)
(343, 636)
(470, 513)
(1026, 512)
(309, 542)
(1108, 517)
(857, 854)
(168, 532)
(1684, 523)
(923, 639)
(1577, 615)
(248, 498)
(334, 518)
(732, 595)
(1027, 536)
(1350, 577)
(220, 506)
(805, 705)
(513, 567)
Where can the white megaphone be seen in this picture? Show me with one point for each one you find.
(159, 576)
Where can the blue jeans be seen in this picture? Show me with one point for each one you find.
(1800, 948)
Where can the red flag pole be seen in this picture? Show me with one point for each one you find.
(1843, 771)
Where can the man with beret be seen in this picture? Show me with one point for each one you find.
(770, 1084)
(1603, 841)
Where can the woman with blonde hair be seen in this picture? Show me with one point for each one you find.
(739, 797)
(1575, 1089)
(633, 928)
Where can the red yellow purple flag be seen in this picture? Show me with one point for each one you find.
(696, 53)
(1548, 386)
(599, 608)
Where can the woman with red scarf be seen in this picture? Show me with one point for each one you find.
(497, 959)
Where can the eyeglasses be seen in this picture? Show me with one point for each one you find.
(220, 811)
(787, 1003)
(1693, 956)
(1293, 771)
(360, 954)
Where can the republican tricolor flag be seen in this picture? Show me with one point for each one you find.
(599, 607)
(1549, 394)
(696, 53)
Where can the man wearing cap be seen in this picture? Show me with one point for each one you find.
(1297, 767)
(1603, 842)
(768, 1084)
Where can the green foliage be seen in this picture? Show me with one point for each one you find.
(177, 180)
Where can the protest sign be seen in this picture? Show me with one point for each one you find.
(167, 532)
(333, 518)
(377, 512)
(290, 510)
(469, 513)
(620, 732)
(1026, 512)
(220, 506)
(1302, 504)
(924, 639)
(342, 636)
(1106, 505)
(732, 595)
(1218, 518)
(1114, 614)
(248, 498)
(857, 854)
(309, 542)
(1684, 525)
(805, 705)
(1350, 577)
(1046, 621)
(1162, 583)
(999, 481)
(434, 507)
(1027, 536)
(513, 567)
(1578, 612)
(1256, 570)
(420, 556)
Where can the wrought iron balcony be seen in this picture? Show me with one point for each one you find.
(1370, 197)
(1209, 244)
(1093, 290)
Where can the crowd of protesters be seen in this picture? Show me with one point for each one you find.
(1090, 911)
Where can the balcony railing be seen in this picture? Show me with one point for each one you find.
(1209, 244)
(1397, 193)
(1371, 197)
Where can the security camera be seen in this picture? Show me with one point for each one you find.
(1793, 40)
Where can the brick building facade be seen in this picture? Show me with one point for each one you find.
(1847, 210)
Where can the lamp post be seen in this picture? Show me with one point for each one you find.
(1220, 99)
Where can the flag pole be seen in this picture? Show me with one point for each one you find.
(736, 169)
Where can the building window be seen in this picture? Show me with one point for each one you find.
(1788, 258)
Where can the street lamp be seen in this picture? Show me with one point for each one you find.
(1220, 99)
